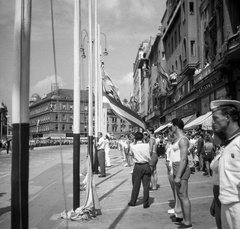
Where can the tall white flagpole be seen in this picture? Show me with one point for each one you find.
(76, 102)
(20, 116)
(90, 85)
(100, 82)
(96, 71)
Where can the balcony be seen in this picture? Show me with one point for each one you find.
(154, 113)
(202, 74)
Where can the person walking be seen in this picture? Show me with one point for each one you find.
(101, 154)
(142, 171)
(181, 171)
(226, 119)
(107, 150)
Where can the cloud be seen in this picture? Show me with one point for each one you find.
(44, 86)
(125, 85)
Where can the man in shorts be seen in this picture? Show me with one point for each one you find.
(181, 171)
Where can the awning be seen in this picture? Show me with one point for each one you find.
(161, 127)
(204, 120)
(189, 119)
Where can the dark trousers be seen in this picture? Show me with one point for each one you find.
(101, 161)
(141, 172)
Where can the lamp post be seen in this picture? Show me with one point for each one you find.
(105, 53)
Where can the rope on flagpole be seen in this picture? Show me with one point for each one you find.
(57, 89)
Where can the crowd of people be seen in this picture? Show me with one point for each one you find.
(216, 153)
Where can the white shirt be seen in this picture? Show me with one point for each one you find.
(140, 152)
(229, 173)
(101, 143)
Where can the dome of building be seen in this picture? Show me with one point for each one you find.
(35, 97)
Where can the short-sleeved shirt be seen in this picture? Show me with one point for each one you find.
(140, 152)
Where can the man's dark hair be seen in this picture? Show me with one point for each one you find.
(151, 130)
(138, 136)
(178, 122)
(232, 112)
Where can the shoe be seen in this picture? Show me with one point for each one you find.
(102, 176)
(131, 205)
(152, 189)
(177, 220)
(146, 206)
(171, 211)
(186, 226)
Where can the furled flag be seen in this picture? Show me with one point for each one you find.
(110, 92)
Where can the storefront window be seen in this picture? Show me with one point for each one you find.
(221, 94)
(205, 104)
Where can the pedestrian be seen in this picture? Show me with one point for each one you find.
(101, 154)
(142, 171)
(1, 145)
(209, 151)
(200, 151)
(181, 171)
(154, 159)
(177, 210)
(8, 145)
(226, 119)
(107, 150)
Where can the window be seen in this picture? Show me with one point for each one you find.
(183, 6)
(64, 117)
(191, 8)
(175, 34)
(179, 33)
(56, 117)
(63, 127)
(193, 48)
(71, 107)
(163, 55)
(205, 105)
(184, 49)
(64, 107)
(56, 127)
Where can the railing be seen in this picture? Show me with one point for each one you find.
(234, 40)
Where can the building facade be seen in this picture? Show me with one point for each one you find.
(52, 115)
(193, 60)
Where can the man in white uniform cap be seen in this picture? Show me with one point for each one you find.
(226, 119)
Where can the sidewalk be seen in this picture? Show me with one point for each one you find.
(114, 193)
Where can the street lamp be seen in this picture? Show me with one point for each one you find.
(82, 41)
(105, 53)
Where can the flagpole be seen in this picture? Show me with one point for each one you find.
(20, 116)
(96, 71)
(100, 82)
(95, 163)
(90, 84)
(76, 102)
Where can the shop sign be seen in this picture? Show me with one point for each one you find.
(209, 85)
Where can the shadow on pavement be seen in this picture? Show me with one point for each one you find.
(110, 191)
(108, 177)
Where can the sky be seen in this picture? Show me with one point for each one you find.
(126, 24)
